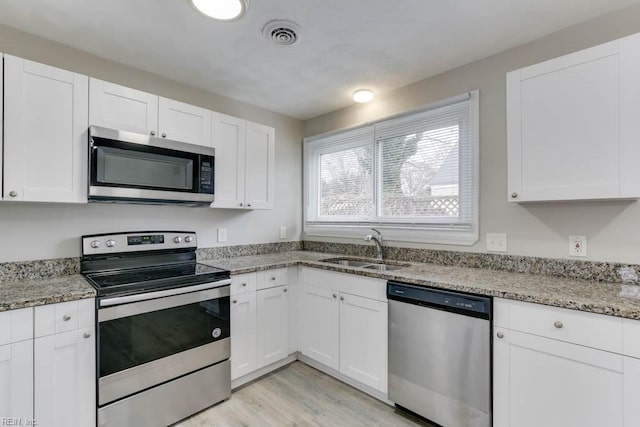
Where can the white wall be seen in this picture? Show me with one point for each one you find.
(41, 231)
(612, 228)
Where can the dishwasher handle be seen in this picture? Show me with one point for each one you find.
(456, 302)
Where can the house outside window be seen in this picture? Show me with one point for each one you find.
(415, 176)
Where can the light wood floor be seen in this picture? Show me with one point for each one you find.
(298, 395)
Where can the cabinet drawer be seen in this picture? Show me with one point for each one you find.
(353, 284)
(243, 283)
(272, 278)
(63, 317)
(587, 329)
(16, 325)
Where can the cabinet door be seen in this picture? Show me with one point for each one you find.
(273, 325)
(65, 378)
(631, 391)
(544, 382)
(16, 380)
(363, 340)
(563, 127)
(184, 122)
(319, 325)
(118, 107)
(229, 142)
(243, 334)
(259, 166)
(45, 133)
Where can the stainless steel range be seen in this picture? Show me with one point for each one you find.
(163, 340)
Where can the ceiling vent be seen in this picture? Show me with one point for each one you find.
(282, 32)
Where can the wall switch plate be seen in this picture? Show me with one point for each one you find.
(283, 232)
(222, 235)
(496, 242)
(578, 246)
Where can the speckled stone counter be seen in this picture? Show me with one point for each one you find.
(577, 294)
(30, 293)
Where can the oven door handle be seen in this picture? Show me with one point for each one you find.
(119, 307)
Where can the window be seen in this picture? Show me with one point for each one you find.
(413, 175)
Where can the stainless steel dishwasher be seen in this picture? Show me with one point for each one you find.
(440, 354)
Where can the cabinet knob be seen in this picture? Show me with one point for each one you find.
(235, 301)
(514, 195)
(273, 278)
(244, 284)
(284, 290)
(335, 295)
(500, 335)
(341, 298)
(87, 335)
(164, 134)
(249, 204)
(558, 324)
(153, 133)
(66, 317)
(13, 193)
(241, 204)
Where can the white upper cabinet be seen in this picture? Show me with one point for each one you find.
(244, 165)
(118, 107)
(184, 122)
(45, 132)
(572, 125)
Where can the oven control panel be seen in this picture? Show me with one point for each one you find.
(136, 242)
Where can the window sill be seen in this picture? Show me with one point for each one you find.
(444, 236)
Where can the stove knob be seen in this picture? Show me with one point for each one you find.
(188, 239)
(177, 239)
(95, 244)
(111, 243)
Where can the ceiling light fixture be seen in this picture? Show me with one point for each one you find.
(222, 10)
(363, 95)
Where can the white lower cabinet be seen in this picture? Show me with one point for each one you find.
(16, 364)
(273, 325)
(65, 364)
(543, 380)
(259, 320)
(65, 379)
(243, 334)
(346, 331)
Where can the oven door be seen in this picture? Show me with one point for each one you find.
(123, 165)
(148, 342)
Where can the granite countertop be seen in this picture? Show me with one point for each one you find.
(583, 295)
(29, 293)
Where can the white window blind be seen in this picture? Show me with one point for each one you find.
(417, 170)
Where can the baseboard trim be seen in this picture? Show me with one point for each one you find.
(239, 382)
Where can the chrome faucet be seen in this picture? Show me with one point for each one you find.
(378, 240)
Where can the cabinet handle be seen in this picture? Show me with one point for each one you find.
(87, 335)
(66, 317)
(244, 284)
(500, 335)
(514, 195)
(164, 134)
(284, 290)
(235, 301)
(13, 193)
(341, 297)
(335, 295)
(558, 324)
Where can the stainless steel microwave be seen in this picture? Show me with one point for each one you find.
(132, 168)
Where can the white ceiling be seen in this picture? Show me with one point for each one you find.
(344, 44)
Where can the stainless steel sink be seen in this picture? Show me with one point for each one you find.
(366, 264)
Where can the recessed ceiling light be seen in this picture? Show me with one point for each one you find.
(222, 10)
(363, 95)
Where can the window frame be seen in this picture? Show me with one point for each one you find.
(437, 230)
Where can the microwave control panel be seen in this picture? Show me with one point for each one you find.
(206, 175)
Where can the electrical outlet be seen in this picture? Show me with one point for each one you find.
(222, 235)
(578, 246)
(496, 242)
(283, 232)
